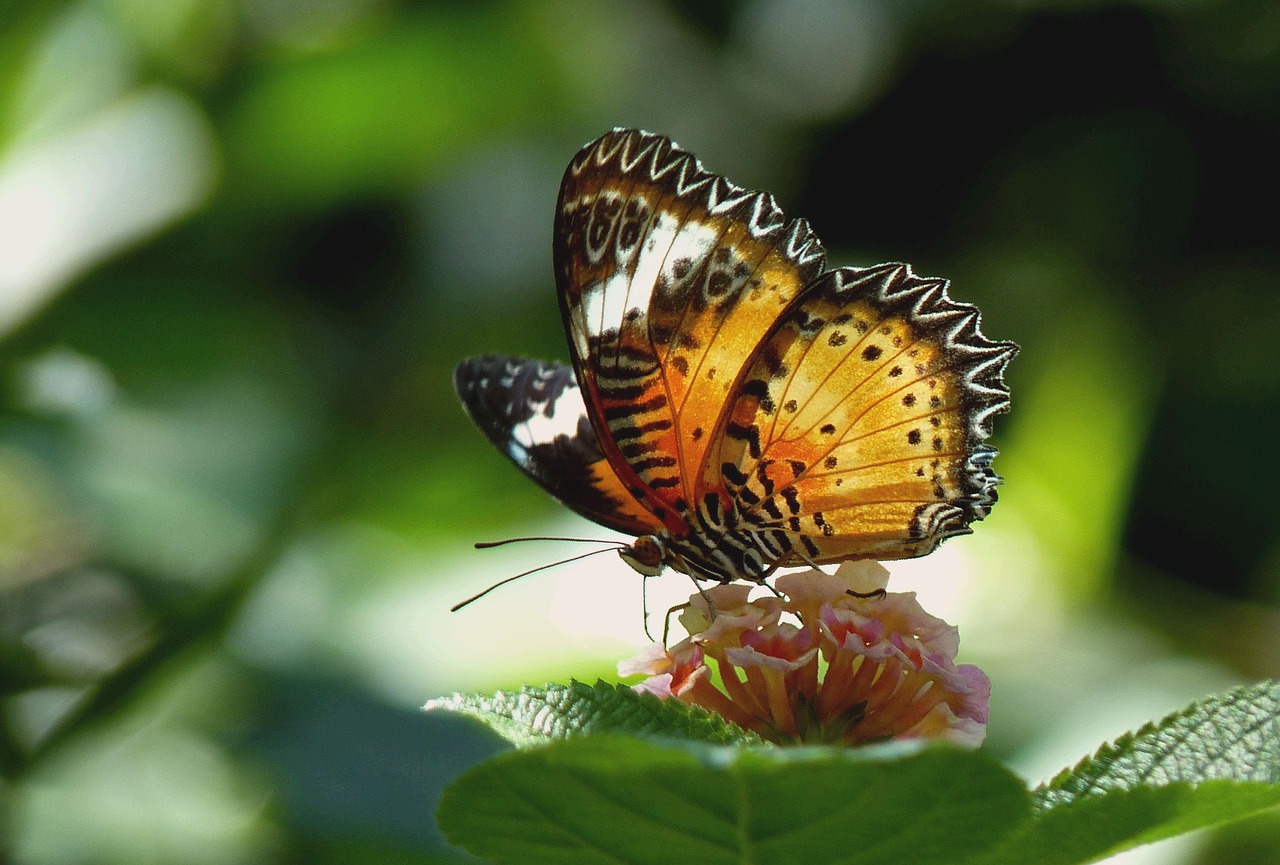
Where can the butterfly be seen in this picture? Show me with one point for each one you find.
(732, 404)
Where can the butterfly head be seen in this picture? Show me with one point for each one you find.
(647, 555)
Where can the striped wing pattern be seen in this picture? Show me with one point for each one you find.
(669, 277)
(733, 398)
(857, 431)
(533, 411)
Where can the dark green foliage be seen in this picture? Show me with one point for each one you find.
(571, 797)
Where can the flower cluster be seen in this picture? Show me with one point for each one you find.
(833, 659)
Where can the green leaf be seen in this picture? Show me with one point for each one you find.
(376, 114)
(609, 799)
(1215, 761)
(533, 716)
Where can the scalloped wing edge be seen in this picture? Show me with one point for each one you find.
(981, 363)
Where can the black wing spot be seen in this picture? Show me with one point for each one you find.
(773, 361)
(871, 352)
(619, 412)
(718, 283)
(625, 433)
(749, 434)
(662, 462)
(622, 392)
(762, 475)
(913, 437)
(630, 450)
(792, 499)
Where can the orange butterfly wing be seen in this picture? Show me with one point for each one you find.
(669, 277)
(858, 429)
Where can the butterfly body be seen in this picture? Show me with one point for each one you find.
(732, 403)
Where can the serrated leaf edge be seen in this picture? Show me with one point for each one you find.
(479, 706)
(1110, 752)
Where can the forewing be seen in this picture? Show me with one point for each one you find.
(669, 277)
(858, 430)
(533, 411)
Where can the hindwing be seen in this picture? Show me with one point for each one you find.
(533, 411)
(858, 429)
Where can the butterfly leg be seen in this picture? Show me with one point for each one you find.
(711, 605)
(666, 623)
(764, 577)
(644, 610)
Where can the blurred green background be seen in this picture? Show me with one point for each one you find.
(243, 242)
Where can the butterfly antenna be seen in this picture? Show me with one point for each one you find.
(484, 545)
(503, 582)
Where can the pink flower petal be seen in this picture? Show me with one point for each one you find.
(651, 660)
(865, 576)
(890, 666)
